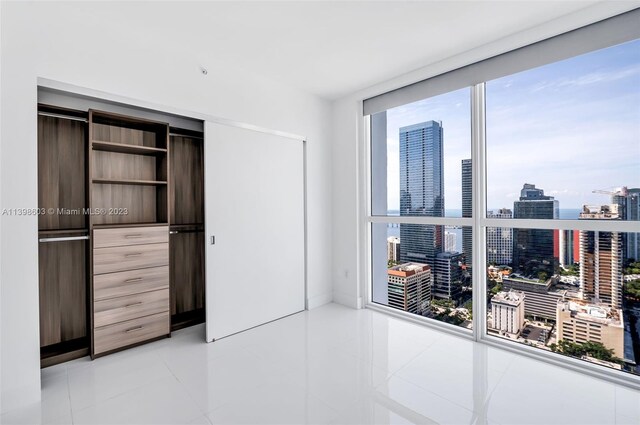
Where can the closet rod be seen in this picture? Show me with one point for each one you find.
(66, 238)
(66, 117)
(173, 232)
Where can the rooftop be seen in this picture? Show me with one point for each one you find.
(408, 269)
(600, 212)
(599, 313)
(513, 298)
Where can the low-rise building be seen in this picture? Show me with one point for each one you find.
(579, 322)
(409, 287)
(507, 312)
(542, 297)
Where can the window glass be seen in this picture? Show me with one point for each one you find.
(566, 135)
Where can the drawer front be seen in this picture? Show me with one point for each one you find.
(130, 282)
(130, 332)
(105, 238)
(115, 310)
(121, 258)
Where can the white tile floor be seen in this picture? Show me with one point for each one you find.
(330, 365)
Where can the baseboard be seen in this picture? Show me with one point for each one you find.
(347, 300)
(319, 300)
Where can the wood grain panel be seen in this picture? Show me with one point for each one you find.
(130, 136)
(114, 165)
(104, 238)
(187, 180)
(120, 335)
(61, 171)
(130, 282)
(115, 310)
(121, 258)
(140, 202)
(187, 271)
(63, 285)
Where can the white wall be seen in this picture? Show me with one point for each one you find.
(348, 143)
(62, 42)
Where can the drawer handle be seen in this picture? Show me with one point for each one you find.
(137, 328)
(135, 279)
(135, 254)
(132, 236)
(133, 304)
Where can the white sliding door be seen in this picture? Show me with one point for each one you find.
(254, 186)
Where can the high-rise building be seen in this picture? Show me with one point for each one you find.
(569, 247)
(421, 190)
(500, 239)
(393, 249)
(620, 197)
(601, 259)
(633, 213)
(579, 322)
(467, 209)
(409, 287)
(533, 249)
(450, 241)
(447, 272)
(507, 312)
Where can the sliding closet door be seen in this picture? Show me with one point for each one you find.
(254, 198)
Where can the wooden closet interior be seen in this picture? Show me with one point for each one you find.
(121, 229)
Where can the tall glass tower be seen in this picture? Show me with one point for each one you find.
(533, 249)
(421, 190)
(467, 209)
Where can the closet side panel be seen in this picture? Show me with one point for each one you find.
(187, 179)
(61, 173)
(63, 296)
(187, 271)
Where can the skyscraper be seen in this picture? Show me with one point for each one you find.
(633, 213)
(533, 248)
(500, 239)
(467, 209)
(450, 241)
(601, 259)
(620, 197)
(393, 249)
(421, 190)
(569, 247)
(447, 273)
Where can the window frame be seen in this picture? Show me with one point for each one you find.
(479, 222)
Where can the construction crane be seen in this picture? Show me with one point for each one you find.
(620, 191)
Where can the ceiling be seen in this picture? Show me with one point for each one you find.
(326, 48)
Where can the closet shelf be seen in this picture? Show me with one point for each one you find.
(62, 231)
(126, 148)
(130, 182)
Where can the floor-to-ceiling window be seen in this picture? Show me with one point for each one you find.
(509, 190)
(419, 152)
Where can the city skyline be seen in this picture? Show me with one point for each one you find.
(574, 112)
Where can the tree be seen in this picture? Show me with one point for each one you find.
(543, 276)
(469, 306)
(497, 288)
(634, 268)
(632, 289)
(589, 348)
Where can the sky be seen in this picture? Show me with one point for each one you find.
(570, 127)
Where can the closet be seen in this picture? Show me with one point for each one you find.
(63, 233)
(121, 232)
